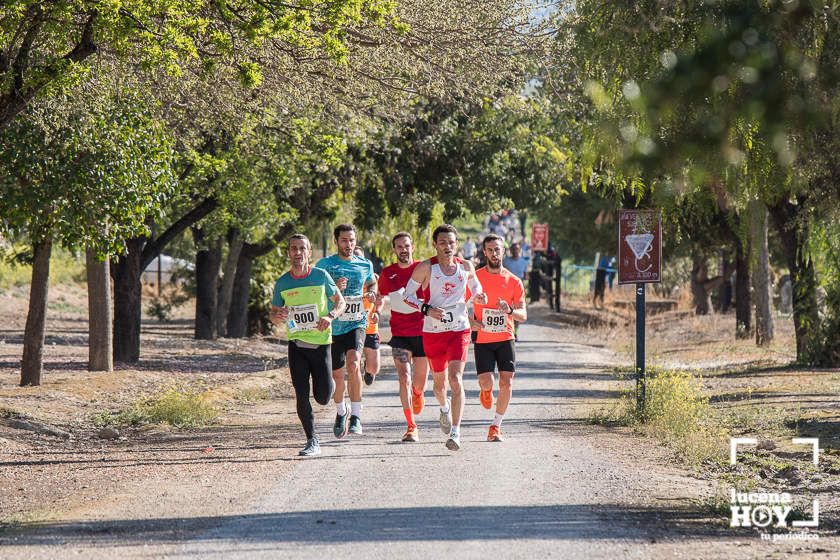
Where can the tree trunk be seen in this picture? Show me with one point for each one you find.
(793, 233)
(235, 243)
(36, 319)
(743, 309)
(725, 292)
(208, 262)
(760, 261)
(100, 346)
(237, 320)
(700, 297)
(127, 300)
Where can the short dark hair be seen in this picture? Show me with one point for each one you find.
(398, 235)
(443, 228)
(342, 228)
(300, 236)
(490, 238)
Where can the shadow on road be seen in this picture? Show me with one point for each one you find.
(571, 521)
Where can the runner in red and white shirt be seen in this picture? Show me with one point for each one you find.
(406, 333)
(446, 327)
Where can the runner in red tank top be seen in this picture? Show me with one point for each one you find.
(406, 333)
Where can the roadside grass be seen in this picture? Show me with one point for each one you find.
(253, 394)
(178, 406)
(676, 411)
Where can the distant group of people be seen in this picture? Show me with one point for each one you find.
(438, 306)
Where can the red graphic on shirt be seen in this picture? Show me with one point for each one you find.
(449, 288)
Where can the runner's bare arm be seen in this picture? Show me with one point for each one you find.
(338, 308)
(278, 315)
(371, 291)
(474, 285)
(520, 313)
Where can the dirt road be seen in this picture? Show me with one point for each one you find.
(558, 487)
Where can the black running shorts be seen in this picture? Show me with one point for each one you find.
(372, 341)
(413, 344)
(343, 343)
(489, 355)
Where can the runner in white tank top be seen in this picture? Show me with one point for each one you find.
(447, 292)
(446, 327)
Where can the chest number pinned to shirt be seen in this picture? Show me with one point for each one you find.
(494, 321)
(354, 310)
(303, 318)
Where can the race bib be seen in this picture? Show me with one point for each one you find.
(354, 310)
(493, 321)
(302, 318)
(454, 319)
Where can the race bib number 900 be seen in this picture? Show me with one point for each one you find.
(354, 310)
(303, 318)
(494, 321)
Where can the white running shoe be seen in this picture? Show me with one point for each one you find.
(454, 442)
(446, 419)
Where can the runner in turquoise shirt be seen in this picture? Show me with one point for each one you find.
(355, 279)
(359, 274)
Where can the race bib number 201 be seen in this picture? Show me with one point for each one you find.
(302, 318)
(354, 310)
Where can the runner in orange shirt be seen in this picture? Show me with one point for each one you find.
(371, 348)
(493, 324)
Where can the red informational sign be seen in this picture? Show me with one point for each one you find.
(639, 246)
(539, 237)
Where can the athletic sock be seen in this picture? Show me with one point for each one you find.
(445, 408)
(409, 418)
(341, 408)
(497, 421)
(415, 391)
(356, 409)
(455, 431)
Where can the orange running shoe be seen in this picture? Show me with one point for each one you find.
(417, 402)
(495, 434)
(486, 398)
(412, 434)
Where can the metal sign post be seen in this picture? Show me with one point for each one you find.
(640, 263)
(640, 347)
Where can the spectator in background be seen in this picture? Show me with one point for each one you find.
(515, 262)
(600, 280)
(611, 272)
(469, 249)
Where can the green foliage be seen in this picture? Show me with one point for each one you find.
(161, 307)
(676, 412)
(50, 43)
(88, 178)
(182, 407)
(65, 269)
(825, 247)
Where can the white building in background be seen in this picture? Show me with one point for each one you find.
(165, 266)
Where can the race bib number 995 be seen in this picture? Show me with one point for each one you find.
(494, 321)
